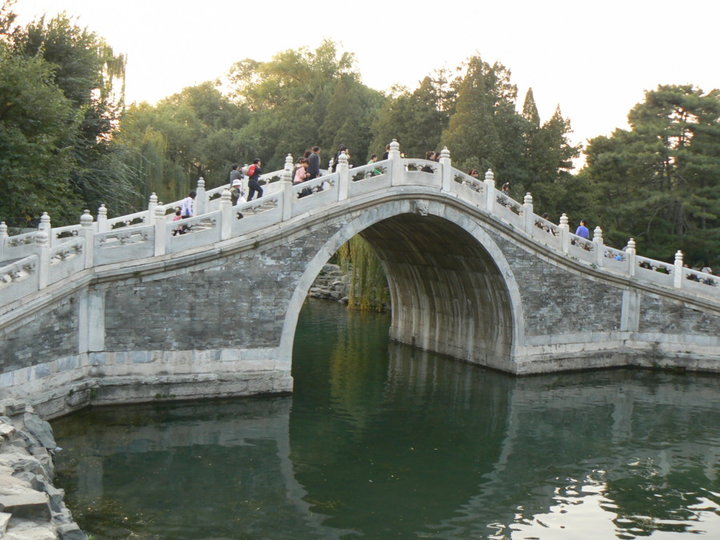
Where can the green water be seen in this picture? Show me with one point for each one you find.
(381, 441)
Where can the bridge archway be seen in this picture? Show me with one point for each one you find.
(452, 289)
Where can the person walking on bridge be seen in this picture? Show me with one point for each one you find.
(254, 172)
(314, 163)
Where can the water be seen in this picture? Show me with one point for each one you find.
(381, 441)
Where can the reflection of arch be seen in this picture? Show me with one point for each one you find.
(452, 289)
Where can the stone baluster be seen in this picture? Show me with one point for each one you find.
(46, 226)
(42, 241)
(528, 214)
(631, 253)
(160, 230)
(287, 193)
(397, 170)
(226, 215)
(3, 237)
(102, 224)
(678, 271)
(599, 246)
(201, 198)
(446, 170)
(87, 231)
(343, 170)
(564, 229)
(489, 191)
(152, 204)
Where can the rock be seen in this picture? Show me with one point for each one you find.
(4, 520)
(71, 531)
(26, 505)
(40, 429)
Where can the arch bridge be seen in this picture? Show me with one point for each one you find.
(122, 309)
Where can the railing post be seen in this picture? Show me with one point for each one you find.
(3, 237)
(43, 243)
(201, 202)
(88, 233)
(160, 231)
(445, 170)
(528, 213)
(287, 191)
(152, 203)
(489, 191)
(397, 170)
(226, 213)
(45, 225)
(564, 229)
(678, 277)
(599, 246)
(630, 251)
(102, 225)
(343, 170)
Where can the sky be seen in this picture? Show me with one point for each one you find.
(593, 59)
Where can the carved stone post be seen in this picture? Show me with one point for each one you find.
(46, 226)
(42, 242)
(564, 229)
(3, 237)
(599, 246)
(87, 231)
(201, 202)
(160, 231)
(226, 215)
(446, 170)
(678, 276)
(630, 251)
(489, 191)
(343, 170)
(397, 171)
(102, 225)
(287, 190)
(152, 203)
(528, 214)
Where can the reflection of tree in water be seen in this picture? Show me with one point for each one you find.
(375, 454)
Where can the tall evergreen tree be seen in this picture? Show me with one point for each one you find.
(662, 176)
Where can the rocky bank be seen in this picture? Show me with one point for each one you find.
(31, 508)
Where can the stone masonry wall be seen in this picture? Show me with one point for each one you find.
(47, 334)
(238, 302)
(558, 301)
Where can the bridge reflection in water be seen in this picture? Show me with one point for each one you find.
(383, 440)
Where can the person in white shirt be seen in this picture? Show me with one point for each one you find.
(187, 207)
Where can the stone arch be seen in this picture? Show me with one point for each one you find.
(452, 289)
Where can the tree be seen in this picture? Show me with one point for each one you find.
(91, 77)
(301, 98)
(35, 117)
(485, 131)
(415, 119)
(663, 174)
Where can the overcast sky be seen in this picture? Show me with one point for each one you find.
(594, 59)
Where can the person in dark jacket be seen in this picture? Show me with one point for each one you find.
(254, 172)
(314, 163)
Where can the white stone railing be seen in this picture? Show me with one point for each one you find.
(32, 261)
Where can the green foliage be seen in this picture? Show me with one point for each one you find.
(301, 98)
(35, 118)
(368, 284)
(663, 175)
(415, 119)
(59, 113)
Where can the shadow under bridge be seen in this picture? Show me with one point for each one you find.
(448, 294)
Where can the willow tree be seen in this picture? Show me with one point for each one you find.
(91, 77)
(368, 289)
